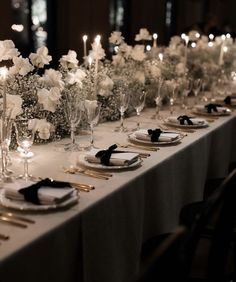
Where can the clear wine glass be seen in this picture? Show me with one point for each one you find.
(25, 132)
(73, 107)
(92, 109)
(124, 99)
(138, 102)
(196, 88)
(158, 100)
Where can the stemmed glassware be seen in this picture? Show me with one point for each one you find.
(196, 88)
(124, 99)
(25, 132)
(138, 102)
(92, 110)
(73, 111)
(158, 100)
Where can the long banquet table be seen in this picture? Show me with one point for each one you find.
(100, 238)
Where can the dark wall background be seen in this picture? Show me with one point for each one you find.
(69, 20)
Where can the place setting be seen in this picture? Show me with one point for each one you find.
(155, 137)
(111, 158)
(186, 122)
(44, 195)
(212, 109)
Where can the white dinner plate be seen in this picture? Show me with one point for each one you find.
(84, 162)
(133, 138)
(27, 206)
(203, 125)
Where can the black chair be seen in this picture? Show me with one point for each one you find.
(203, 247)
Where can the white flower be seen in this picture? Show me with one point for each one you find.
(49, 98)
(43, 127)
(175, 41)
(41, 57)
(70, 60)
(97, 52)
(105, 86)
(116, 38)
(118, 60)
(139, 76)
(76, 77)
(193, 35)
(143, 35)
(53, 78)
(21, 66)
(155, 71)
(126, 49)
(14, 105)
(7, 50)
(180, 68)
(138, 53)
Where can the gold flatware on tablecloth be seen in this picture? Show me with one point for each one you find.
(12, 222)
(141, 147)
(87, 172)
(17, 217)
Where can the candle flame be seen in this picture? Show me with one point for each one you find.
(90, 60)
(98, 39)
(155, 35)
(160, 57)
(3, 72)
(85, 37)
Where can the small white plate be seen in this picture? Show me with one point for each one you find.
(133, 138)
(84, 162)
(27, 206)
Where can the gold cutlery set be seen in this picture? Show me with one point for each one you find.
(14, 220)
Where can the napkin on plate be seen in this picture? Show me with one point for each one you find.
(45, 194)
(228, 100)
(203, 109)
(195, 121)
(118, 158)
(143, 134)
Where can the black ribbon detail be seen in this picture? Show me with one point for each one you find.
(155, 134)
(212, 107)
(105, 155)
(31, 192)
(184, 118)
(227, 100)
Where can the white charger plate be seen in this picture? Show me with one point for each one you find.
(199, 112)
(133, 138)
(203, 125)
(82, 161)
(27, 206)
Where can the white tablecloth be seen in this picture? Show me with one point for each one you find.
(100, 238)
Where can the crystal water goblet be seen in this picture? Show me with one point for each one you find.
(73, 109)
(124, 99)
(138, 102)
(25, 132)
(92, 109)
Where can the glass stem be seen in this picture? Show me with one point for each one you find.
(138, 122)
(91, 136)
(122, 121)
(26, 168)
(72, 134)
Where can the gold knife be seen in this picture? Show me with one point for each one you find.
(18, 217)
(12, 222)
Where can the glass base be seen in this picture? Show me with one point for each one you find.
(68, 147)
(29, 177)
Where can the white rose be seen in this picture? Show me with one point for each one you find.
(105, 86)
(53, 78)
(70, 60)
(143, 35)
(76, 77)
(41, 57)
(21, 66)
(48, 98)
(116, 38)
(14, 105)
(138, 53)
(7, 50)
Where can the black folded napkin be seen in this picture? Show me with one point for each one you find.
(155, 134)
(227, 100)
(185, 118)
(212, 107)
(105, 155)
(30, 193)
